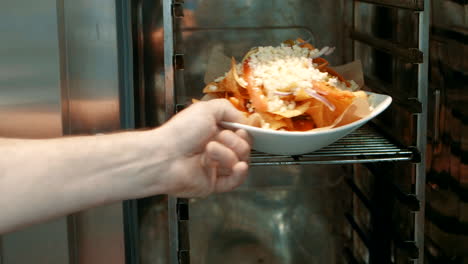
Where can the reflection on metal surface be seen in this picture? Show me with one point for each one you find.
(29, 71)
(30, 108)
(154, 227)
(280, 215)
(90, 81)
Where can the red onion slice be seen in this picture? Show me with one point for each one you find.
(282, 93)
(321, 52)
(320, 98)
(322, 92)
(329, 51)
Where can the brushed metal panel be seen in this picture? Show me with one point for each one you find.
(42, 244)
(91, 81)
(30, 108)
(29, 70)
(90, 91)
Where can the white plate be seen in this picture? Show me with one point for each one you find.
(296, 143)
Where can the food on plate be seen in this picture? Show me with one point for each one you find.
(290, 87)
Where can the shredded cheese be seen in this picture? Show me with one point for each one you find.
(285, 69)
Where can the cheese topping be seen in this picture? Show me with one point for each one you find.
(285, 69)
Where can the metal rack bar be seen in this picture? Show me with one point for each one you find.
(408, 199)
(411, 55)
(362, 235)
(417, 106)
(408, 246)
(360, 194)
(362, 146)
(416, 5)
(413, 105)
(351, 259)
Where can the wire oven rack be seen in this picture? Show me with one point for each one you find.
(362, 146)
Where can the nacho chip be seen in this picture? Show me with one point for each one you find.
(301, 95)
(270, 121)
(299, 110)
(213, 88)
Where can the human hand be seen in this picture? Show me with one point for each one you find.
(204, 157)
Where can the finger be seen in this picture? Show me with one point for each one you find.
(236, 178)
(221, 155)
(243, 134)
(223, 110)
(236, 143)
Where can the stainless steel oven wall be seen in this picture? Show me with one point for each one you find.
(59, 75)
(91, 104)
(30, 108)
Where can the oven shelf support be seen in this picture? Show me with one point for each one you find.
(417, 106)
(411, 55)
(178, 211)
(416, 5)
(413, 105)
(421, 142)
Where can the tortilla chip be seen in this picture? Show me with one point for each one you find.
(258, 119)
(317, 114)
(237, 103)
(274, 123)
(301, 95)
(213, 88)
(299, 110)
(255, 120)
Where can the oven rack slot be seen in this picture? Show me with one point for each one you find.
(363, 236)
(416, 5)
(411, 55)
(365, 145)
(409, 247)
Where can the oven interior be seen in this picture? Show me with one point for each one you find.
(361, 200)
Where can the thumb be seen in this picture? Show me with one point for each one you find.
(223, 110)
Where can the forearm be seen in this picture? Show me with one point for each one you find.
(43, 179)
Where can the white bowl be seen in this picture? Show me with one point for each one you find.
(296, 143)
